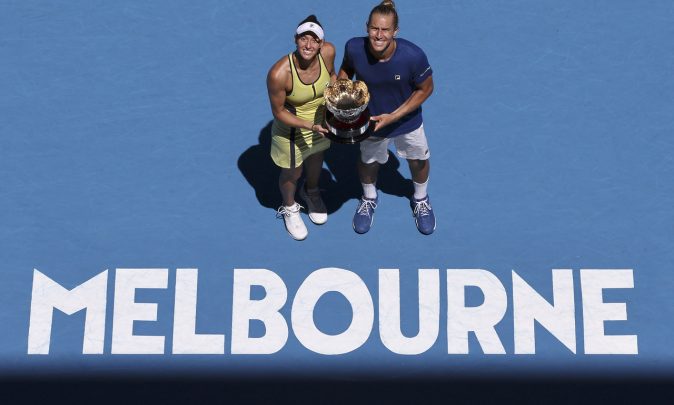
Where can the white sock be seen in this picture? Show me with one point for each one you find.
(420, 190)
(369, 191)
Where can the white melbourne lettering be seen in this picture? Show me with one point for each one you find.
(557, 315)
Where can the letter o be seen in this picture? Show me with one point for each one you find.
(312, 289)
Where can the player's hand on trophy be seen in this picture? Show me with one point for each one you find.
(318, 128)
(382, 120)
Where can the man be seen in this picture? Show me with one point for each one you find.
(399, 79)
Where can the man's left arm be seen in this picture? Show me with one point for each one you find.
(419, 95)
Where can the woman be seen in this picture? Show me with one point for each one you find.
(295, 85)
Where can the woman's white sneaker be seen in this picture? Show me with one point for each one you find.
(293, 221)
(318, 214)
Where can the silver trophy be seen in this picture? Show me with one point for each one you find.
(347, 117)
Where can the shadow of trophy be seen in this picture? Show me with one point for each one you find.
(347, 116)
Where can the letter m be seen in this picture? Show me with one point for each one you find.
(47, 295)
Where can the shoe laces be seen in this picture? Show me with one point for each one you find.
(284, 211)
(422, 208)
(365, 206)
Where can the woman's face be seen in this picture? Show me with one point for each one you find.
(308, 46)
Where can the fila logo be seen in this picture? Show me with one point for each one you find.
(397, 77)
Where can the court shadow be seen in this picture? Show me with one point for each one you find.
(339, 178)
(260, 171)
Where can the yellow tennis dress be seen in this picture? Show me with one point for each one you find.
(290, 145)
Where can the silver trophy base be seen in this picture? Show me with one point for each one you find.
(350, 133)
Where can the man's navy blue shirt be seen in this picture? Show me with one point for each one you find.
(390, 83)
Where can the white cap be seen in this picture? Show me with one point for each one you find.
(310, 27)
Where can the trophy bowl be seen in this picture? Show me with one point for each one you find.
(346, 116)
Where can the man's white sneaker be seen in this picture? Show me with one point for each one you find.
(318, 214)
(293, 221)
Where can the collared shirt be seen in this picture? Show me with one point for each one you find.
(390, 83)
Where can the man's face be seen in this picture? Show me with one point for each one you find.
(380, 31)
(308, 46)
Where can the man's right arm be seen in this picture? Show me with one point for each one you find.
(346, 71)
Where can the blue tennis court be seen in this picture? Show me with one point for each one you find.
(134, 142)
